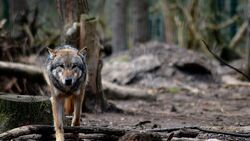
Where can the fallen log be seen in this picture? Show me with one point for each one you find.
(24, 70)
(22, 98)
(169, 134)
(102, 137)
(45, 132)
(111, 90)
(46, 129)
(114, 91)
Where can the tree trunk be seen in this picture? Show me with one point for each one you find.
(17, 16)
(168, 21)
(69, 12)
(17, 9)
(140, 21)
(248, 40)
(94, 100)
(233, 12)
(119, 25)
(83, 33)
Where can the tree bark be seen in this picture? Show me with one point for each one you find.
(69, 12)
(88, 38)
(17, 110)
(119, 25)
(248, 40)
(140, 21)
(17, 9)
(94, 100)
(168, 21)
(17, 16)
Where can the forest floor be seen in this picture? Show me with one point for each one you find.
(183, 98)
(188, 88)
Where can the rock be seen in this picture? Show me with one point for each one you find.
(158, 65)
(124, 72)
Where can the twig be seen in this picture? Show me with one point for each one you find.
(223, 24)
(224, 133)
(200, 129)
(239, 35)
(224, 62)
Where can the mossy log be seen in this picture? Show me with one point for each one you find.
(18, 110)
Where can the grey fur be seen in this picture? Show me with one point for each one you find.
(59, 64)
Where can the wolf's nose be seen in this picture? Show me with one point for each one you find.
(68, 81)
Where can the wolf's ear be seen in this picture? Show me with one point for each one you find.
(52, 52)
(82, 51)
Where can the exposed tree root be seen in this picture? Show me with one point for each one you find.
(37, 132)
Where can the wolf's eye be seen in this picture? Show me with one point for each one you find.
(74, 66)
(61, 66)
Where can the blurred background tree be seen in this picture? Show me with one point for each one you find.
(124, 23)
(119, 24)
(155, 14)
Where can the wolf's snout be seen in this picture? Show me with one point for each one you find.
(68, 81)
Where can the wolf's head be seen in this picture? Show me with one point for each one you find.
(67, 68)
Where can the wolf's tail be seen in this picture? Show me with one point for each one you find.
(69, 105)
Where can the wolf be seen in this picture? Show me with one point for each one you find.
(67, 75)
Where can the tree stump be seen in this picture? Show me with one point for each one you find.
(18, 110)
(94, 100)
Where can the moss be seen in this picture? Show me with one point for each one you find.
(14, 114)
(174, 90)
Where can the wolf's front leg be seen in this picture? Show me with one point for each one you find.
(58, 114)
(78, 99)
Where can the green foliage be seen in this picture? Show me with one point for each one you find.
(204, 14)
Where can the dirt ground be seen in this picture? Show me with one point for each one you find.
(205, 103)
(188, 87)
(217, 107)
(229, 108)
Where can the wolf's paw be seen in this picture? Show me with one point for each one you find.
(59, 137)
